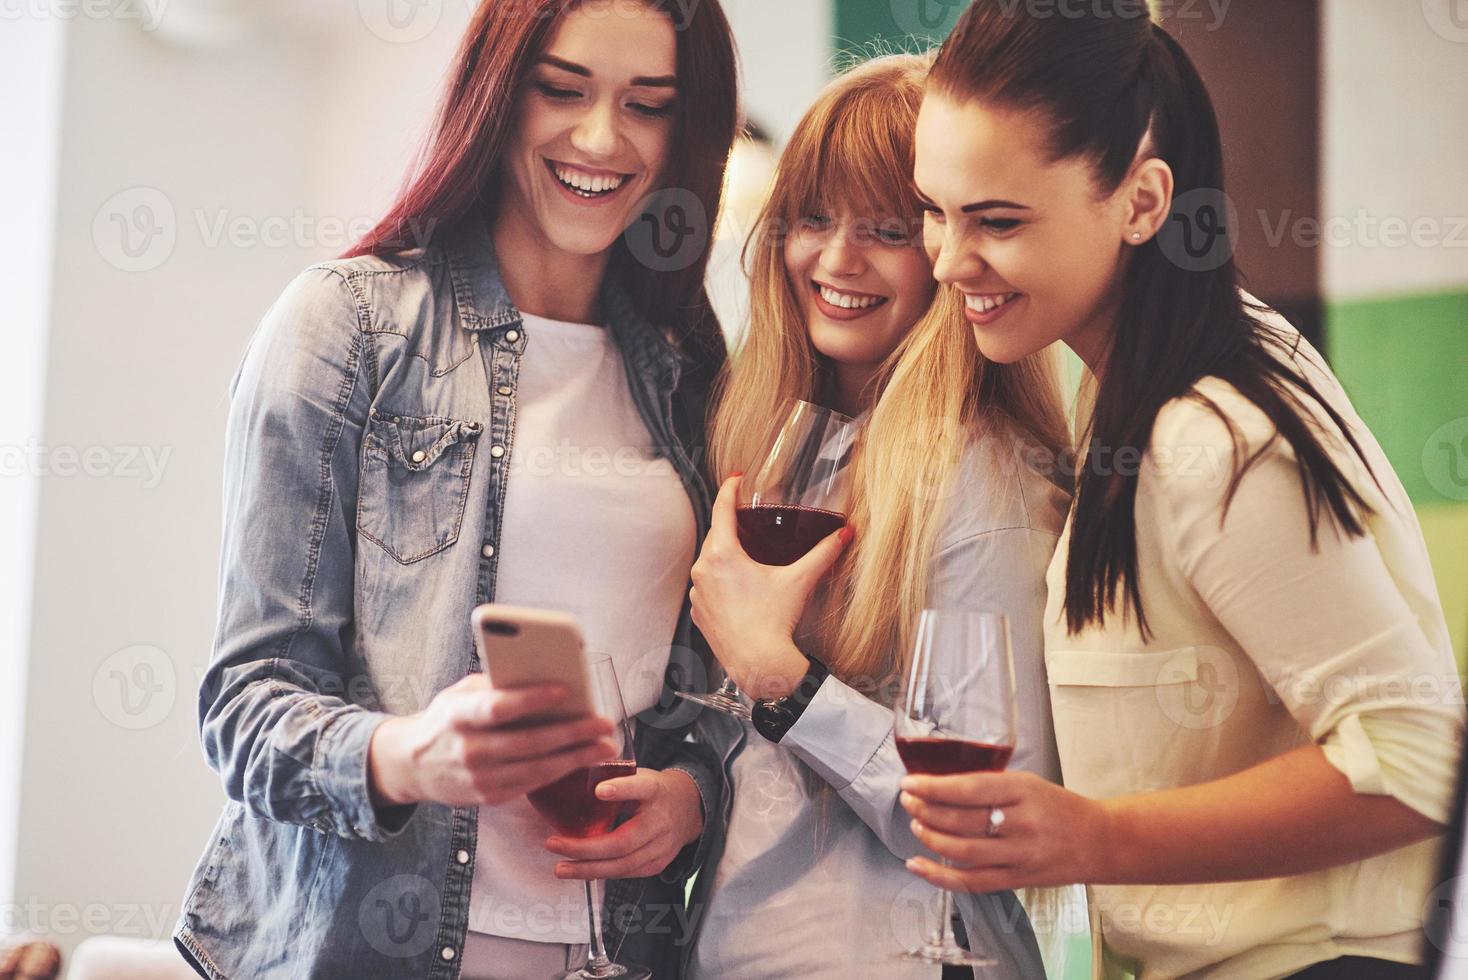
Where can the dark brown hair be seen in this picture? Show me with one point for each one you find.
(1100, 77)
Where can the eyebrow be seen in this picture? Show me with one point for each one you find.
(642, 81)
(989, 205)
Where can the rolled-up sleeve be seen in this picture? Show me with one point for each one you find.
(1327, 625)
(272, 714)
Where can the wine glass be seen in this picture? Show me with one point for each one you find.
(571, 806)
(791, 503)
(955, 713)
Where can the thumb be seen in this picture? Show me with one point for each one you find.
(814, 565)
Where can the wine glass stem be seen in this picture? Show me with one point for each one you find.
(598, 964)
(942, 937)
(729, 688)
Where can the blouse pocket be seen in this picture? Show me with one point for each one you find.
(1129, 722)
(414, 483)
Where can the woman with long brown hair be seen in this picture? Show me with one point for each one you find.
(806, 874)
(496, 396)
(1254, 692)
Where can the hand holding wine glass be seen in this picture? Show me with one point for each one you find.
(780, 518)
(955, 713)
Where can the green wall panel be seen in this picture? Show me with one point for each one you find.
(910, 25)
(1404, 362)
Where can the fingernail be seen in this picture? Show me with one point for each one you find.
(735, 476)
(908, 783)
(848, 534)
(604, 793)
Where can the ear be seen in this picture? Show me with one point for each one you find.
(1147, 200)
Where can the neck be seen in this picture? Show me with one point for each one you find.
(851, 387)
(542, 279)
(1091, 342)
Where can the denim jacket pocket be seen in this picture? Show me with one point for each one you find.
(414, 483)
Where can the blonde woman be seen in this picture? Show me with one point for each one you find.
(805, 873)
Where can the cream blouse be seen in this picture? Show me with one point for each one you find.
(1260, 645)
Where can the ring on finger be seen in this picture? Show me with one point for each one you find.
(996, 820)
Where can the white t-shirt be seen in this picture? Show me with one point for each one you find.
(596, 524)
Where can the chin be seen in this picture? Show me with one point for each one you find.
(997, 350)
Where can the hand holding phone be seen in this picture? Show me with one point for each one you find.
(481, 744)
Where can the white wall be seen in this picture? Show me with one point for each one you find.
(31, 56)
(1396, 133)
(314, 119)
(283, 126)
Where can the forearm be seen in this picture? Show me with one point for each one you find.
(1293, 814)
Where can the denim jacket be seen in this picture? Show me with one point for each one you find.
(369, 441)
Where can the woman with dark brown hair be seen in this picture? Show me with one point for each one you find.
(497, 396)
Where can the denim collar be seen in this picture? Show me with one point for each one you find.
(484, 303)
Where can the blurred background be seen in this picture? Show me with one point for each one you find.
(166, 166)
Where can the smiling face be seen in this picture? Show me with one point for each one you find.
(1036, 252)
(592, 128)
(860, 283)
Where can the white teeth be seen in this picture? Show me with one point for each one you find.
(585, 184)
(987, 304)
(845, 300)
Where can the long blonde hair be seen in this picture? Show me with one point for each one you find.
(936, 393)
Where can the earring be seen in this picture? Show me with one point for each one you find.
(1136, 236)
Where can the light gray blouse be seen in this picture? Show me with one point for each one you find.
(811, 882)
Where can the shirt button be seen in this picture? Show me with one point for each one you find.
(497, 451)
(505, 390)
(488, 553)
(419, 456)
(448, 953)
(462, 857)
(512, 336)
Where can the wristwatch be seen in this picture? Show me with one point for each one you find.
(773, 717)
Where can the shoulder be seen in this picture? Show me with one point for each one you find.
(1004, 483)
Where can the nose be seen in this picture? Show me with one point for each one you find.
(955, 263)
(596, 132)
(842, 257)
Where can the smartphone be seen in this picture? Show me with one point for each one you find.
(520, 647)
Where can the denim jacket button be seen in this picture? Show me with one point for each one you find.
(448, 953)
(497, 451)
(488, 553)
(462, 857)
(512, 336)
(506, 389)
(419, 456)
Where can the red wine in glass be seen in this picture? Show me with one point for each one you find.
(571, 805)
(950, 756)
(781, 534)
